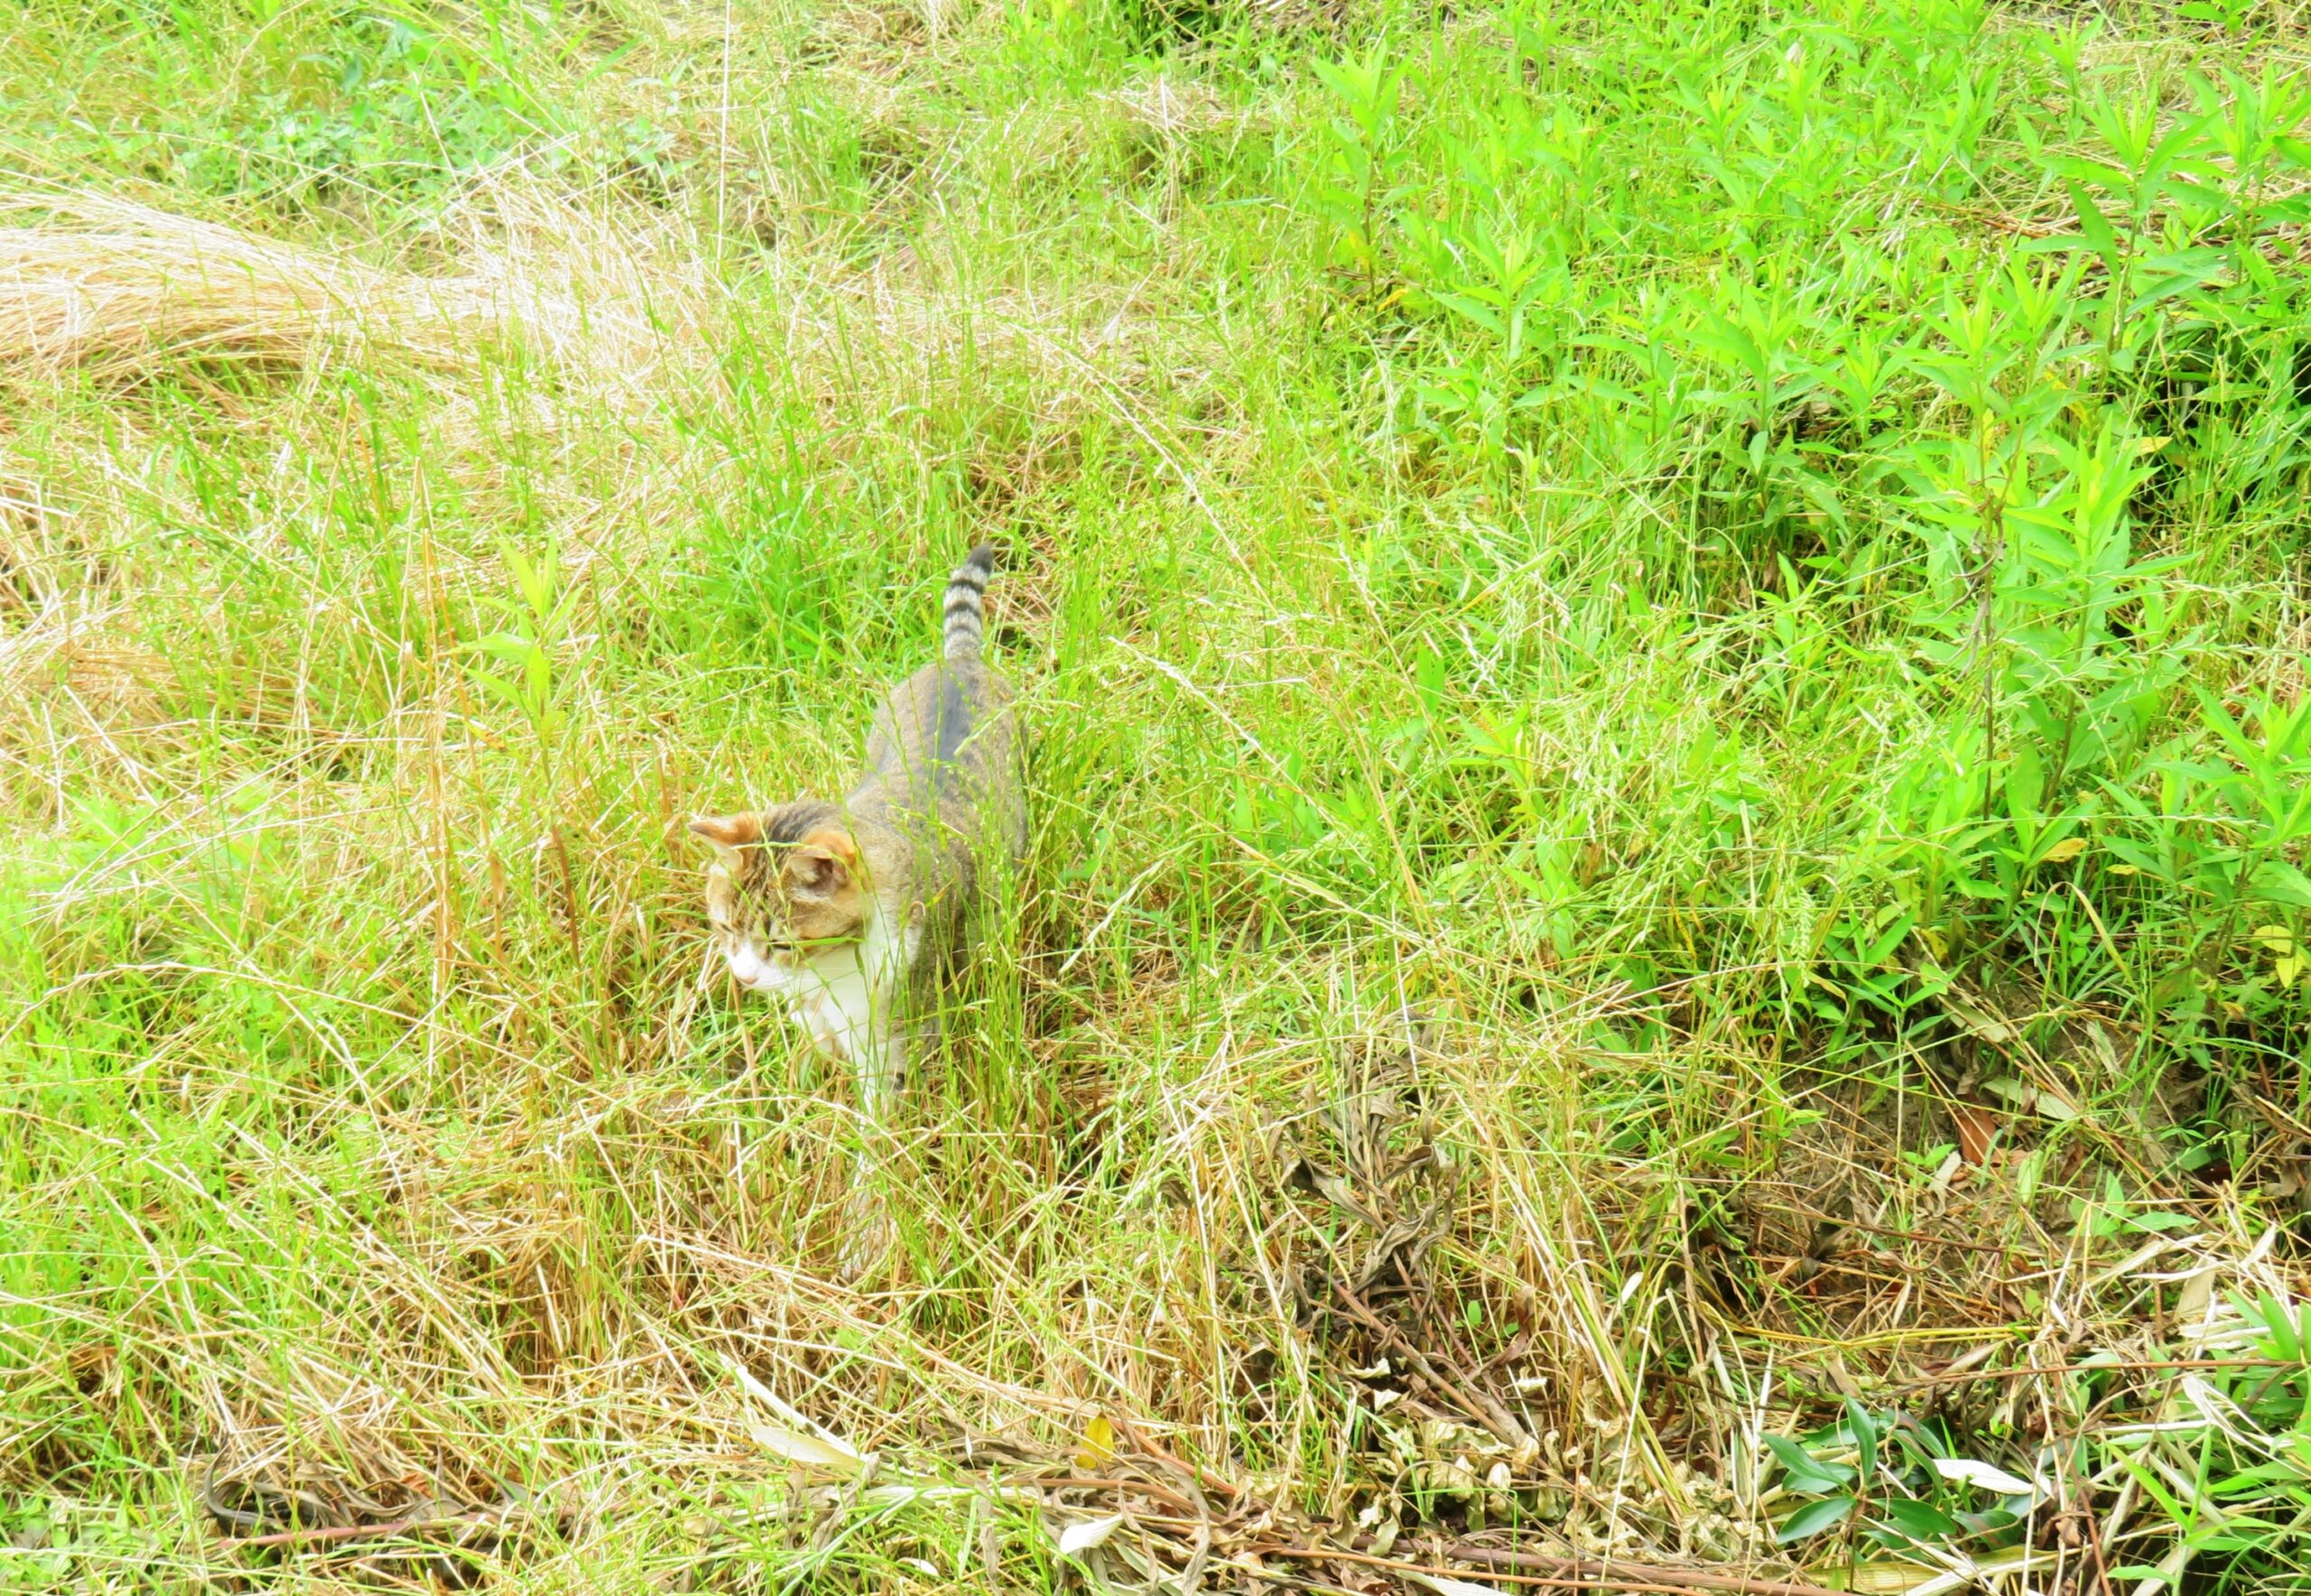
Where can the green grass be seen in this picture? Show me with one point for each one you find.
(1748, 561)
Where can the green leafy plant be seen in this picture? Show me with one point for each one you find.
(537, 616)
(1355, 184)
(1898, 1483)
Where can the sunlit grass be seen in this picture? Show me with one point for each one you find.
(1746, 563)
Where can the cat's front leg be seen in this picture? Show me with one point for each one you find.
(866, 1231)
(881, 1070)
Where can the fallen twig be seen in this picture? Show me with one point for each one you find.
(1562, 1573)
(356, 1532)
(1479, 1404)
(2121, 1366)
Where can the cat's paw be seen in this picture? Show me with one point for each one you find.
(867, 1236)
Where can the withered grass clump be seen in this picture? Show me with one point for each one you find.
(115, 289)
(121, 291)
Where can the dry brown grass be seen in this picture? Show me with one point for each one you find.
(120, 290)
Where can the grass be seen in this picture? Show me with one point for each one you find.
(1745, 564)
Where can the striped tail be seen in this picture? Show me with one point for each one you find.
(966, 616)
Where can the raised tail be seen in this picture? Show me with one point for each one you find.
(966, 609)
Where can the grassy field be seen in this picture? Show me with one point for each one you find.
(1665, 642)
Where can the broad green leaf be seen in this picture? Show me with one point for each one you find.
(1923, 1521)
(1814, 1517)
(1864, 1430)
(1804, 1472)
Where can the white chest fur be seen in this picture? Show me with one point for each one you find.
(841, 995)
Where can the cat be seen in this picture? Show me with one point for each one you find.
(851, 911)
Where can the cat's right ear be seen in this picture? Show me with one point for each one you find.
(727, 833)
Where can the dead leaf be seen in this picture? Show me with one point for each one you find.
(801, 1449)
(795, 1438)
(1098, 1448)
(1979, 1022)
(1946, 1172)
(1988, 1477)
(2053, 1104)
(2038, 1100)
(1977, 1127)
(1078, 1539)
(1445, 1585)
(1337, 1188)
(2196, 1292)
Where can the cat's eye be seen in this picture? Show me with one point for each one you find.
(803, 947)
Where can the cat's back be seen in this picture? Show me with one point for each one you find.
(945, 757)
(945, 743)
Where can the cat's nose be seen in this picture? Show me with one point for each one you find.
(746, 964)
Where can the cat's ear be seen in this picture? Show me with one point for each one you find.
(729, 834)
(822, 866)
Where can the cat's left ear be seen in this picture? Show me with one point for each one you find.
(729, 834)
(821, 865)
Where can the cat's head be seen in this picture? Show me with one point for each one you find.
(784, 885)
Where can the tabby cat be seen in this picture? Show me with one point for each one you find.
(850, 911)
